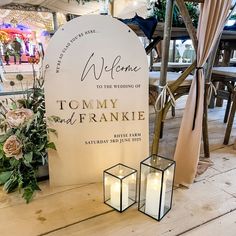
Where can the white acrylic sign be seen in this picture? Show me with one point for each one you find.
(97, 85)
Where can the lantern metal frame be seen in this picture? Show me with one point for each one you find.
(134, 171)
(173, 163)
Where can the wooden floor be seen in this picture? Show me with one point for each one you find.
(207, 208)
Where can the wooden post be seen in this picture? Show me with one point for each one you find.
(164, 64)
(157, 132)
(188, 22)
(166, 41)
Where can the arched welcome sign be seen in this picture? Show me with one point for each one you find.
(96, 85)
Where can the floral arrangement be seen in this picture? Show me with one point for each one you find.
(24, 140)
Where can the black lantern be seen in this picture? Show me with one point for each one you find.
(120, 187)
(156, 186)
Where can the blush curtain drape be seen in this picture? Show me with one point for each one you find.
(212, 18)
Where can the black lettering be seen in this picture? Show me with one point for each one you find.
(92, 67)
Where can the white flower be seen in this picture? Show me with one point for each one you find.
(13, 147)
(18, 117)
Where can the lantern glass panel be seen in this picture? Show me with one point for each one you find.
(120, 184)
(156, 186)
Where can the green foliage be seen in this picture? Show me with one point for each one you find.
(159, 12)
(20, 173)
(5, 176)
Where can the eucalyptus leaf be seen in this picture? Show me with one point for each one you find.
(41, 147)
(14, 162)
(43, 160)
(4, 137)
(27, 164)
(11, 184)
(4, 176)
(28, 157)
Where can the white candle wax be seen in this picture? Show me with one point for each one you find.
(115, 195)
(153, 193)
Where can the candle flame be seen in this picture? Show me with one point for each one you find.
(120, 174)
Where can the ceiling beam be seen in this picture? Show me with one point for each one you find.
(25, 7)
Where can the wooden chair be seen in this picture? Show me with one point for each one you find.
(227, 77)
(225, 89)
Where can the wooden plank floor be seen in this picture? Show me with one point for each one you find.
(207, 208)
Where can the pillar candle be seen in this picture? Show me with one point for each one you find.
(115, 194)
(153, 193)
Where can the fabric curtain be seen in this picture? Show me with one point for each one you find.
(212, 18)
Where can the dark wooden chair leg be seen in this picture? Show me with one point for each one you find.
(231, 120)
(173, 111)
(205, 125)
(219, 101)
(227, 110)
